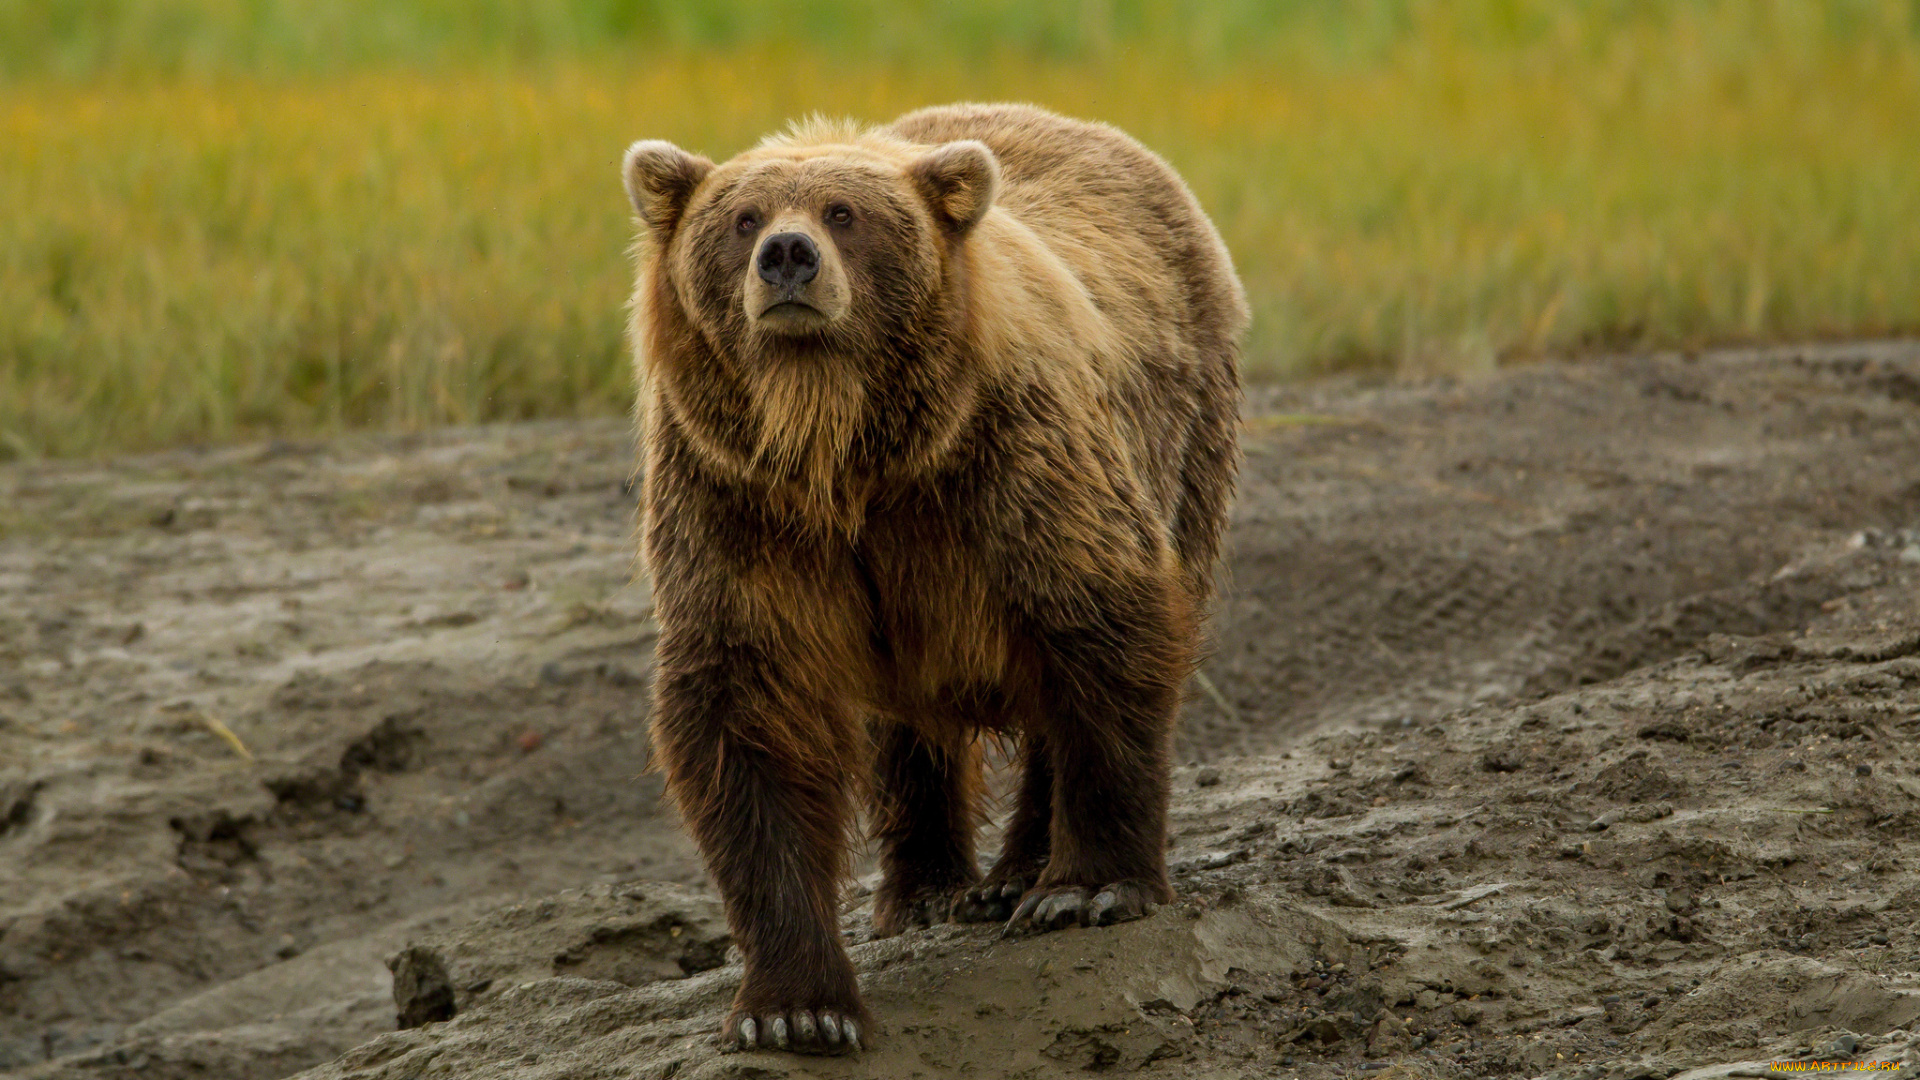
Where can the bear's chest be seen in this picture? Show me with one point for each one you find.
(940, 621)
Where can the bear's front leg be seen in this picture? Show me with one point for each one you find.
(758, 772)
(1111, 673)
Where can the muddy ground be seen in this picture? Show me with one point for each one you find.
(1561, 722)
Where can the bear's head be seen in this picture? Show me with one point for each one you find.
(792, 247)
(814, 278)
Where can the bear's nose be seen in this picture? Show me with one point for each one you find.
(789, 259)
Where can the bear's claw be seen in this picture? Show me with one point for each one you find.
(801, 1031)
(1060, 906)
(990, 901)
(893, 917)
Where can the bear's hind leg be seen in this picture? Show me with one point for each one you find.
(1023, 853)
(925, 800)
(1110, 691)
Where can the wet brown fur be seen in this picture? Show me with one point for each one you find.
(988, 497)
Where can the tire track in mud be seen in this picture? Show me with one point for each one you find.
(1569, 528)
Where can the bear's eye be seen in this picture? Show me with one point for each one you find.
(840, 214)
(747, 222)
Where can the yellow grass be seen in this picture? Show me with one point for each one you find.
(202, 257)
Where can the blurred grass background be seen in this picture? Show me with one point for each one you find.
(232, 218)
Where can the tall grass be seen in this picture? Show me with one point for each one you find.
(88, 37)
(238, 217)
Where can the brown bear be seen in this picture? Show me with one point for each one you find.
(938, 423)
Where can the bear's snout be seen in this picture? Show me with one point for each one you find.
(795, 283)
(788, 260)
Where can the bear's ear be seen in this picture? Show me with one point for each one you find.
(660, 178)
(959, 181)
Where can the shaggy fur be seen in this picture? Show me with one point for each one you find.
(969, 475)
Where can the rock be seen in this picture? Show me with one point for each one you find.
(422, 990)
(1324, 1029)
(1388, 1037)
(1466, 1013)
(1365, 1000)
(1207, 777)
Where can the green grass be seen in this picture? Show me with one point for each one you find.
(82, 38)
(228, 219)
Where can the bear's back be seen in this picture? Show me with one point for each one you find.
(1122, 222)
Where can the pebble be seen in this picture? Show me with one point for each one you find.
(1878, 939)
(1207, 777)
(1844, 1046)
(1863, 769)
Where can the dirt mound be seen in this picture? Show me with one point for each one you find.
(1051, 1002)
(628, 934)
(1562, 722)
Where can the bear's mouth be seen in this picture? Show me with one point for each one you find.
(791, 314)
